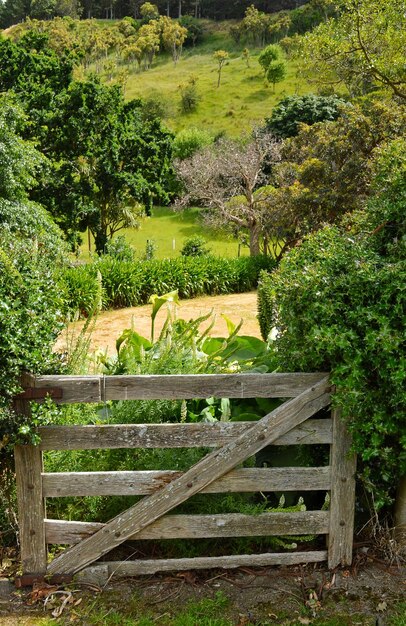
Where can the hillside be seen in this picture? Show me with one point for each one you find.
(243, 99)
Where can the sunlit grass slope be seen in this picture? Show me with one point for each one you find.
(242, 101)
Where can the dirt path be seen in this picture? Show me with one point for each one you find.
(110, 324)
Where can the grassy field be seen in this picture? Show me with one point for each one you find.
(243, 99)
(168, 230)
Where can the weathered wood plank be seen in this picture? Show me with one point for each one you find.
(30, 500)
(143, 483)
(214, 465)
(31, 509)
(102, 572)
(100, 388)
(75, 388)
(317, 431)
(203, 526)
(342, 504)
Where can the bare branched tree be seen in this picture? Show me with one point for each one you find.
(229, 182)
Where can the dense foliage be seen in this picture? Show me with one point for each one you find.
(127, 283)
(337, 303)
(108, 162)
(12, 12)
(326, 169)
(105, 160)
(363, 48)
(295, 110)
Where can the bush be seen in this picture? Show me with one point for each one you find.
(83, 291)
(128, 284)
(265, 299)
(119, 249)
(337, 303)
(189, 141)
(189, 96)
(195, 246)
(195, 31)
(29, 222)
(293, 110)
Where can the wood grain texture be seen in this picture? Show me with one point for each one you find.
(141, 483)
(342, 504)
(31, 509)
(109, 436)
(198, 526)
(182, 387)
(214, 465)
(102, 572)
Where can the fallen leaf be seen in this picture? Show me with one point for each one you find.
(305, 620)
(382, 606)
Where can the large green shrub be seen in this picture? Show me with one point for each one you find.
(31, 314)
(295, 110)
(338, 303)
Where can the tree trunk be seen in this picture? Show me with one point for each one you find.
(100, 241)
(255, 232)
(180, 9)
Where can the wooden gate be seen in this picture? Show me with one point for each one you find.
(233, 443)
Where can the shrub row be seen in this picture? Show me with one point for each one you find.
(127, 283)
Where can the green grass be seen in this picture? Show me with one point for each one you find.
(166, 227)
(108, 610)
(242, 100)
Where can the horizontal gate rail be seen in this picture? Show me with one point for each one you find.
(142, 483)
(176, 387)
(171, 435)
(163, 490)
(207, 526)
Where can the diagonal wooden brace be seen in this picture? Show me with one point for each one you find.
(216, 464)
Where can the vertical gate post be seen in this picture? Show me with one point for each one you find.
(30, 501)
(342, 502)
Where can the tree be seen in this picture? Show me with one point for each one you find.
(227, 180)
(20, 161)
(148, 41)
(363, 47)
(246, 56)
(269, 54)
(173, 37)
(107, 162)
(149, 12)
(256, 25)
(293, 111)
(276, 72)
(221, 56)
(325, 170)
(35, 73)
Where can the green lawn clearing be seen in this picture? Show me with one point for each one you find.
(168, 230)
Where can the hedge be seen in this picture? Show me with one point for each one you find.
(126, 284)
